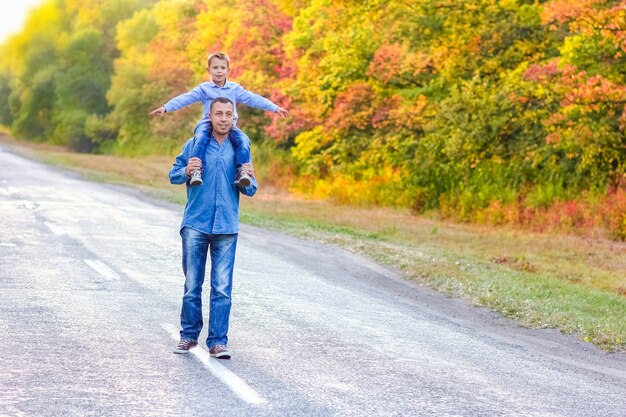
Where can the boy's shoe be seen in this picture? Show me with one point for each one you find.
(184, 345)
(196, 178)
(243, 178)
(220, 352)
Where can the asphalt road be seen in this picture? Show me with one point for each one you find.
(90, 294)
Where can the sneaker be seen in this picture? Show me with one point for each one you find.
(243, 178)
(220, 352)
(184, 345)
(196, 178)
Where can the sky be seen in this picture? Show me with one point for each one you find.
(13, 15)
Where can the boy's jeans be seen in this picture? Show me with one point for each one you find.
(222, 249)
(202, 134)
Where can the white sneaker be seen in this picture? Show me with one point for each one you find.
(196, 178)
(243, 179)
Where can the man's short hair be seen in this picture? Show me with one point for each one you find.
(221, 100)
(218, 55)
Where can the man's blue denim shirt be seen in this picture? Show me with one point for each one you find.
(209, 91)
(213, 207)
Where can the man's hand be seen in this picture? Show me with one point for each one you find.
(282, 112)
(192, 165)
(158, 112)
(249, 169)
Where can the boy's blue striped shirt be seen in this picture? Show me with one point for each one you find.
(209, 91)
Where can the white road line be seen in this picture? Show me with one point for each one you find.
(57, 230)
(236, 384)
(30, 205)
(102, 269)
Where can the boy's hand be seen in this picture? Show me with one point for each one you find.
(193, 164)
(248, 168)
(158, 112)
(282, 112)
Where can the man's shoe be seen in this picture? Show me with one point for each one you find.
(243, 178)
(220, 352)
(196, 178)
(184, 345)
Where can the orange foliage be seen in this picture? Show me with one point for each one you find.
(589, 17)
(353, 109)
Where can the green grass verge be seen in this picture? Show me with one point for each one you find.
(534, 299)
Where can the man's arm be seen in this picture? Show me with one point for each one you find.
(181, 170)
(251, 189)
(183, 100)
(254, 100)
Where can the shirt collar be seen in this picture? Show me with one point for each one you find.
(227, 84)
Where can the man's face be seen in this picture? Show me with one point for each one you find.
(222, 117)
(218, 68)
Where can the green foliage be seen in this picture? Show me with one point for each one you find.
(69, 130)
(59, 70)
(6, 118)
(85, 80)
(34, 103)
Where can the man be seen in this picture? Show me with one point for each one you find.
(210, 225)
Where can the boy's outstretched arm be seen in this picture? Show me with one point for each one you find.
(158, 112)
(178, 102)
(254, 100)
(281, 112)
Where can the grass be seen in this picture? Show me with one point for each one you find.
(572, 283)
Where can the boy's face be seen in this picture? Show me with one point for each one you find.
(218, 68)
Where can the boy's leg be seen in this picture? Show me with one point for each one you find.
(201, 136)
(241, 143)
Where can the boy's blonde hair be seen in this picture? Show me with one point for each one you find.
(218, 55)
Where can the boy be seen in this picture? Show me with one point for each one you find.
(218, 65)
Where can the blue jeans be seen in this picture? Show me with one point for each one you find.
(196, 246)
(202, 135)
